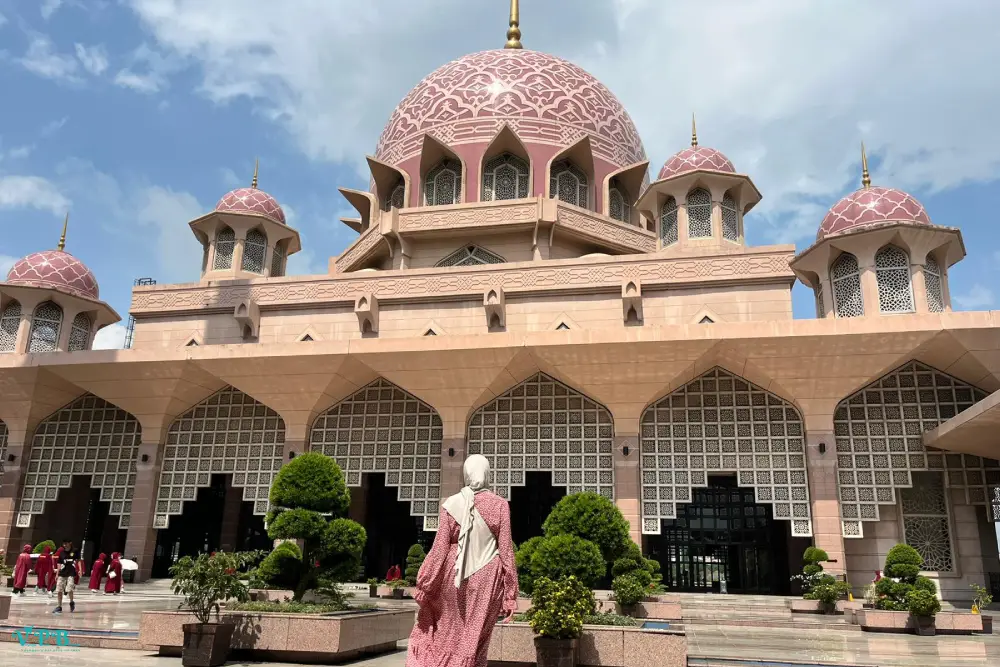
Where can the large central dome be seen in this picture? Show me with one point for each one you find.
(544, 99)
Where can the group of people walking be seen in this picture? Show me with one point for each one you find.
(60, 573)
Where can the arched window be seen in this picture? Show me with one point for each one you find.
(471, 256)
(45, 324)
(567, 183)
(254, 248)
(618, 203)
(278, 260)
(443, 184)
(933, 285)
(10, 321)
(846, 278)
(505, 177)
(820, 306)
(668, 221)
(730, 219)
(225, 244)
(79, 334)
(892, 273)
(396, 197)
(699, 210)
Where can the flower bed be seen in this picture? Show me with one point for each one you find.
(598, 646)
(878, 620)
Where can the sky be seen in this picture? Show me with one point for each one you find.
(136, 116)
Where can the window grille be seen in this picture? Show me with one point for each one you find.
(225, 244)
(730, 219)
(846, 279)
(396, 197)
(10, 321)
(278, 260)
(471, 256)
(925, 521)
(618, 206)
(699, 210)
(45, 325)
(568, 183)
(443, 184)
(668, 221)
(934, 285)
(79, 333)
(254, 249)
(820, 306)
(892, 272)
(3, 445)
(505, 177)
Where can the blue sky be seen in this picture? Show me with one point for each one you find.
(137, 115)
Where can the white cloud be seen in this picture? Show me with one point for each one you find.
(40, 59)
(148, 72)
(93, 58)
(111, 337)
(31, 192)
(167, 213)
(54, 126)
(50, 7)
(977, 298)
(787, 90)
(141, 84)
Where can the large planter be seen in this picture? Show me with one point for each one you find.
(597, 646)
(924, 625)
(555, 652)
(373, 591)
(4, 606)
(206, 644)
(987, 623)
(397, 593)
(953, 623)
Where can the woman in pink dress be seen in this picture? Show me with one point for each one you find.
(467, 579)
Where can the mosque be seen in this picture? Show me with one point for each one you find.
(519, 288)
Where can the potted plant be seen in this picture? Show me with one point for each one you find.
(922, 606)
(397, 588)
(204, 582)
(982, 599)
(414, 559)
(628, 591)
(556, 618)
(373, 587)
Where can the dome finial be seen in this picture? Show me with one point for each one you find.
(866, 179)
(62, 239)
(514, 31)
(256, 165)
(694, 132)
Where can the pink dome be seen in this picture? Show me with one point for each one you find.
(55, 269)
(545, 99)
(872, 206)
(253, 202)
(696, 157)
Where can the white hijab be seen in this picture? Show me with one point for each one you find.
(477, 545)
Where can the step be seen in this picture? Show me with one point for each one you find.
(739, 662)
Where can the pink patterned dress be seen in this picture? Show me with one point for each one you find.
(454, 625)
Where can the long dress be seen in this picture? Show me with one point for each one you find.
(454, 625)
(43, 569)
(54, 577)
(21, 568)
(96, 573)
(114, 584)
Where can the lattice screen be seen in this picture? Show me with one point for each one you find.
(730, 219)
(79, 334)
(543, 425)
(699, 210)
(925, 521)
(3, 445)
(668, 221)
(722, 423)
(225, 245)
(845, 276)
(383, 429)
(87, 437)
(443, 184)
(933, 285)
(46, 322)
(254, 249)
(567, 183)
(505, 177)
(879, 432)
(995, 503)
(471, 255)
(227, 433)
(618, 204)
(892, 274)
(10, 320)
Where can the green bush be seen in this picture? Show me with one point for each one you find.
(611, 620)
(281, 568)
(902, 567)
(286, 607)
(922, 603)
(559, 607)
(314, 482)
(210, 579)
(903, 562)
(825, 593)
(624, 566)
(341, 550)
(40, 547)
(522, 559)
(813, 555)
(812, 575)
(564, 556)
(629, 590)
(591, 517)
(414, 559)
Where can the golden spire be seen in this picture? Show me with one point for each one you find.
(866, 179)
(62, 239)
(694, 132)
(514, 31)
(256, 165)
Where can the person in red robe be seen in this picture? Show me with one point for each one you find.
(43, 570)
(96, 574)
(21, 570)
(393, 574)
(114, 585)
(53, 578)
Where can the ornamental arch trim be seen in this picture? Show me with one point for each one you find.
(721, 423)
(543, 425)
(87, 437)
(879, 434)
(381, 428)
(227, 433)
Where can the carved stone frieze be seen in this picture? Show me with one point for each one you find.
(357, 251)
(454, 217)
(608, 231)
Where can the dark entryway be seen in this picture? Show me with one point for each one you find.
(723, 535)
(530, 505)
(79, 514)
(390, 528)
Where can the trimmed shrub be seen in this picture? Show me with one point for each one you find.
(559, 607)
(282, 567)
(314, 482)
(591, 517)
(903, 562)
(628, 589)
(522, 559)
(812, 576)
(40, 547)
(414, 559)
(565, 556)
(902, 567)
(923, 604)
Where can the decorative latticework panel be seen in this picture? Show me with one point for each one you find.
(846, 280)
(254, 249)
(879, 432)
(668, 221)
(10, 320)
(443, 184)
(934, 286)
(995, 503)
(542, 425)
(699, 210)
(730, 219)
(87, 437)
(227, 433)
(820, 305)
(925, 521)
(3, 445)
(716, 424)
(471, 255)
(892, 273)
(505, 177)
(568, 183)
(618, 206)
(225, 245)
(278, 260)
(79, 334)
(383, 429)
(46, 322)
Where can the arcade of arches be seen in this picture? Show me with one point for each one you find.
(724, 475)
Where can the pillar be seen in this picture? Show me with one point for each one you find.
(18, 446)
(919, 288)
(454, 449)
(628, 481)
(823, 496)
(140, 540)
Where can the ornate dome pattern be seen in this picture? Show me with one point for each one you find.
(55, 269)
(545, 99)
(869, 206)
(253, 202)
(696, 157)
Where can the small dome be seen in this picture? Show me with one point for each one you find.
(57, 270)
(696, 157)
(253, 202)
(872, 206)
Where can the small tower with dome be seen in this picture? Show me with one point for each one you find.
(51, 302)
(878, 253)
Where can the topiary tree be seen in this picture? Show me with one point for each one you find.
(522, 559)
(591, 517)
(414, 559)
(281, 569)
(40, 547)
(563, 556)
(902, 570)
(309, 500)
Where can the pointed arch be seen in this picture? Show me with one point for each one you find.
(845, 277)
(442, 173)
(254, 250)
(87, 437)
(391, 185)
(699, 210)
(568, 183)
(720, 423)
(892, 275)
(46, 324)
(227, 433)
(225, 246)
(10, 322)
(933, 285)
(668, 222)
(543, 425)
(506, 169)
(79, 335)
(730, 218)
(381, 428)
(471, 255)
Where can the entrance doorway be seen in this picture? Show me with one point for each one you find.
(530, 505)
(723, 535)
(79, 514)
(390, 527)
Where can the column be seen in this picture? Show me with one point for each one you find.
(241, 239)
(628, 482)
(454, 449)
(140, 540)
(24, 327)
(919, 288)
(824, 500)
(69, 314)
(18, 446)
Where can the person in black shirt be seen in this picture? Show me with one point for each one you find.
(66, 569)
